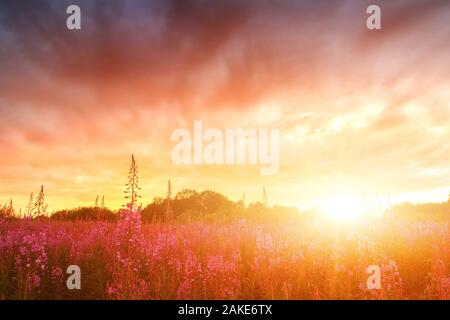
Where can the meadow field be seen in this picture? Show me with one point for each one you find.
(288, 150)
(239, 259)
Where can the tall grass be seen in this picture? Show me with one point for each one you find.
(218, 260)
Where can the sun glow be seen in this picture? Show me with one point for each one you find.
(343, 208)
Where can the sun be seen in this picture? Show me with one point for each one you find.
(343, 208)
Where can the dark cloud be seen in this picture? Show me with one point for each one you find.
(149, 52)
(138, 68)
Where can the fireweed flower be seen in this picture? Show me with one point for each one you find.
(198, 260)
(130, 257)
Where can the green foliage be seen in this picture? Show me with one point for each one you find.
(190, 205)
(85, 214)
(210, 205)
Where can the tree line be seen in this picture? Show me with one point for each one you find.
(188, 204)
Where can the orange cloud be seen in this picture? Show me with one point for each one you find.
(356, 109)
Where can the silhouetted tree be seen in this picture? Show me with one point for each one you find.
(186, 194)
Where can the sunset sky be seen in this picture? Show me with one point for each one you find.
(360, 112)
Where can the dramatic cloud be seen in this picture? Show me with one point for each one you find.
(358, 110)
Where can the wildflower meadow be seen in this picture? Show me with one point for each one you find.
(216, 260)
(204, 246)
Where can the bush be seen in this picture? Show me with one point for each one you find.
(85, 214)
